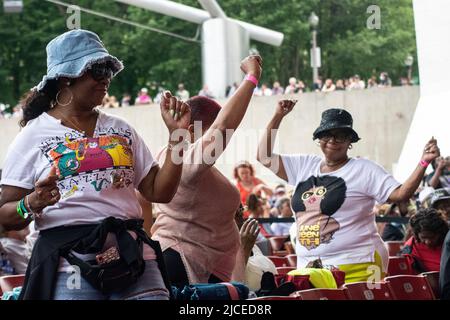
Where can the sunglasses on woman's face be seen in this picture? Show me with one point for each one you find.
(339, 137)
(101, 71)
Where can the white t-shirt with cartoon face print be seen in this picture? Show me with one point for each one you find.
(333, 211)
(88, 166)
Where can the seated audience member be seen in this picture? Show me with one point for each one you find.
(440, 177)
(13, 252)
(284, 208)
(252, 263)
(424, 248)
(255, 210)
(440, 200)
(396, 231)
(279, 193)
(247, 183)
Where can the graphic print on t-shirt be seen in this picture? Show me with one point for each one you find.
(93, 162)
(314, 202)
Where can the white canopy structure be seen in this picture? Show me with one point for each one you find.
(433, 110)
(225, 41)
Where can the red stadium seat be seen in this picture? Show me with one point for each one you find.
(399, 266)
(289, 248)
(8, 283)
(409, 287)
(369, 291)
(277, 243)
(433, 280)
(284, 270)
(281, 253)
(279, 261)
(394, 247)
(292, 260)
(282, 274)
(321, 294)
(301, 282)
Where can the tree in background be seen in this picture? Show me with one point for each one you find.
(152, 59)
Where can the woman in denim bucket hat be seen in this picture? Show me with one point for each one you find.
(335, 195)
(74, 170)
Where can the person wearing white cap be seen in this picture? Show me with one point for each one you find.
(143, 97)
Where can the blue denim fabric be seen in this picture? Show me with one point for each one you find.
(72, 53)
(150, 286)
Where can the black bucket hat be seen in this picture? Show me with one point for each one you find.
(336, 119)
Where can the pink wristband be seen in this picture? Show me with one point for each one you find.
(424, 164)
(252, 79)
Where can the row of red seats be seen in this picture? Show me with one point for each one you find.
(402, 287)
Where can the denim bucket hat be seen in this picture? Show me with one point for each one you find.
(336, 119)
(72, 53)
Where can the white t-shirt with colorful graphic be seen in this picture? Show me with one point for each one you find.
(89, 166)
(333, 211)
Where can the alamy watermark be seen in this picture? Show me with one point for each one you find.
(74, 20)
(211, 149)
(374, 21)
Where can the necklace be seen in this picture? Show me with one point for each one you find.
(71, 122)
(336, 164)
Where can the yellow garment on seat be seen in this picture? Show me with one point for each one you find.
(319, 278)
(358, 272)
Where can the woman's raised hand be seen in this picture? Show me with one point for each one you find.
(285, 106)
(252, 65)
(175, 113)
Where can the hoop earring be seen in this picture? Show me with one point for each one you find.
(350, 147)
(64, 104)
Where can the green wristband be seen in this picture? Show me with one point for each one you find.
(22, 206)
(19, 210)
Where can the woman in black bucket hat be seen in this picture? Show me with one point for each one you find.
(335, 194)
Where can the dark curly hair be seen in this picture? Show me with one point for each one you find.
(252, 202)
(429, 220)
(35, 103)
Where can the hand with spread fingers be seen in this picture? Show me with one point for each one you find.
(175, 113)
(431, 151)
(285, 106)
(249, 232)
(46, 192)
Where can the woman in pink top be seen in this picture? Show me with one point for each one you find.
(196, 230)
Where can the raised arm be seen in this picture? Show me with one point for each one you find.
(265, 154)
(232, 113)
(407, 189)
(160, 184)
(434, 181)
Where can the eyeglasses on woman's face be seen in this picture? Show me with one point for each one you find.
(100, 71)
(338, 136)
